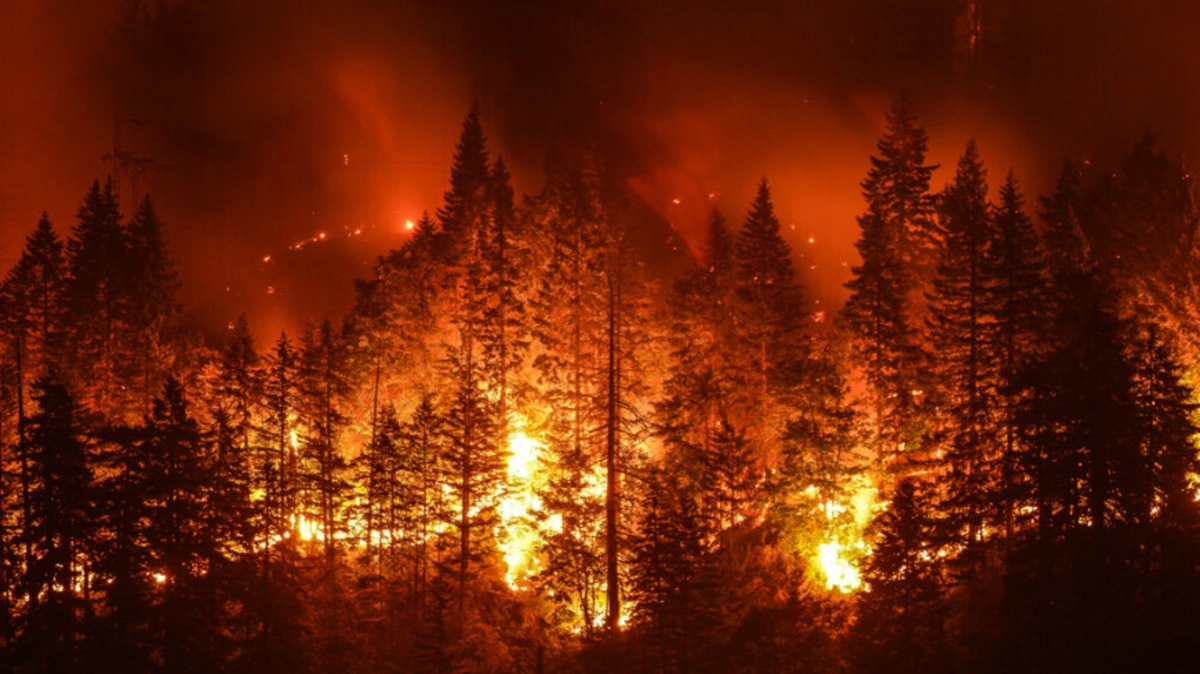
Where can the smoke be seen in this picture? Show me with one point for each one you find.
(271, 122)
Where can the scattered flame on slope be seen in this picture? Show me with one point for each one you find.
(839, 555)
(840, 573)
(518, 533)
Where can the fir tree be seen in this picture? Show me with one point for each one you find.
(1019, 292)
(58, 531)
(474, 472)
(900, 625)
(465, 210)
(322, 388)
(668, 570)
(766, 284)
(97, 300)
(152, 289)
(899, 237)
(960, 320)
(183, 544)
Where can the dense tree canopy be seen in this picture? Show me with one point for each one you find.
(525, 449)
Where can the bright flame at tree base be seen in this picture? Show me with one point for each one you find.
(840, 573)
(518, 533)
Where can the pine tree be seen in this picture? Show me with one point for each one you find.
(474, 472)
(822, 462)
(179, 474)
(465, 208)
(1067, 248)
(959, 324)
(1019, 292)
(97, 300)
(152, 286)
(568, 308)
(668, 569)
(704, 384)
(772, 308)
(504, 337)
(283, 635)
(237, 388)
(899, 237)
(59, 531)
(32, 305)
(322, 388)
(731, 477)
(124, 559)
(281, 399)
(423, 438)
(900, 625)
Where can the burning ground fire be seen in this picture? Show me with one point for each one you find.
(518, 533)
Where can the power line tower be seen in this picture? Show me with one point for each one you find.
(126, 167)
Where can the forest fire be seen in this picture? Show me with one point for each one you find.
(519, 531)
(586, 392)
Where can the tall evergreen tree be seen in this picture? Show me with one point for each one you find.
(185, 548)
(59, 531)
(899, 237)
(32, 307)
(97, 300)
(767, 285)
(900, 625)
(474, 465)
(465, 209)
(705, 385)
(668, 573)
(152, 288)
(323, 388)
(1019, 294)
(960, 321)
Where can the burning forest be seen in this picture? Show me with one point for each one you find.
(584, 412)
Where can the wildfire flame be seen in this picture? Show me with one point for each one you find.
(840, 573)
(839, 556)
(518, 533)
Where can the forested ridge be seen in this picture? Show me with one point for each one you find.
(524, 450)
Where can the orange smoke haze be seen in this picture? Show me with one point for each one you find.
(272, 121)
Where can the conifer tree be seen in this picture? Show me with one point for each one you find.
(505, 336)
(322, 388)
(900, 625)
(474, 472)
(568, 308)
(766, 283)
(1019, 292)
(899, 237)
(465, 208)
(58, 531)
(730, 477)
(152, 286)
(960, 320)
(237, 388)
(703, 385)
(668, 570)
(97, 301)
(185, 547)
(32, 307)
(423, 439)
(33, 303)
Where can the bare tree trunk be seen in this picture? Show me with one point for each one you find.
(613, 618)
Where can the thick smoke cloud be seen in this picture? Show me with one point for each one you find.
(277, 121)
